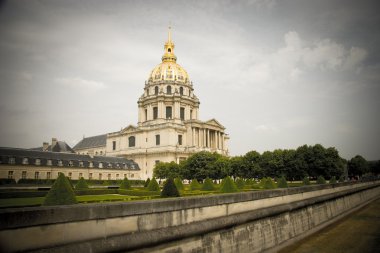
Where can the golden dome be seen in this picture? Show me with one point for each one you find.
(168, 69)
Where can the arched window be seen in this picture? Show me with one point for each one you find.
(169, 89)
(131, 141)
(156, 90)
(181, 91)
(169, 50)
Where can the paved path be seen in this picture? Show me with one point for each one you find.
(357, 233)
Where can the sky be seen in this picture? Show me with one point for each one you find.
(276, 74)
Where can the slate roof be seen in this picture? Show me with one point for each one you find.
(60, 146)
(108, 162)
(92, 142)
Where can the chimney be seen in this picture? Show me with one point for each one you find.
(45, 146)
(53, 143)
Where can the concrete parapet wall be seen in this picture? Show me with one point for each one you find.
(247, 222)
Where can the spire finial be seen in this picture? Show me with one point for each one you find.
(170, 34)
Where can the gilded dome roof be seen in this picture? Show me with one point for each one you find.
(168, 69)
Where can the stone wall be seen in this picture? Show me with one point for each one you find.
(242, 222)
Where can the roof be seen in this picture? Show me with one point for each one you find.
(92, 142)
(66, 159)
(60, 146)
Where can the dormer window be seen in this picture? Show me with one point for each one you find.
(38, 161)
(60, 163)
(49, 163)
(12, 160)
(81, 164)
(100, 165)
(109, 165)
(90, 164)
(25, 160)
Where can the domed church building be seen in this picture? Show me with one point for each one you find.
(168, 127)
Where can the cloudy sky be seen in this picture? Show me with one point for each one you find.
(276, 74)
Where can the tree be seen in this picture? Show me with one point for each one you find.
(81, 184)
(208, 185)
(251, 165)
(282, 183)
(240, 183)
(200, 166)
(169, 190)
(125, 184)
(306, 180)
(321, 180)
(195, 185)
(178, 183)
(228, 186)
(357, 166)
(153, 185)
(332, 180)
(166, 170)
(61, 193)
(147, 182)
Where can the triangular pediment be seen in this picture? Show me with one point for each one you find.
(130, 128)
(214, 122)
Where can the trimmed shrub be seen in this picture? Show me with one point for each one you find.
(249, 182)
(306, 181)
(139, 193)
(147, 182)
(178, 184)
(208, 185)
(61, 193)
(240, 183)
(228, 185)
(153, 185)
(170, 189)
(36, 181)
(321, 180)
(332, 180)
(267, 183)
(81, 185)
(195, 185)
(95, 192)
(282, 183)
(125, 184)
(4, 181)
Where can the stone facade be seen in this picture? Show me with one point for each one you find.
(168, 127)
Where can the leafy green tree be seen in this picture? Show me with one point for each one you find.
(153, 185)
(240, 183)
(321, 180)
(81, 184)
(125, 184)
(166, 170)
(251, 165)
(237, 166)
(195, 185)
(147, 182)
(201, 165)
(357, 166)
(208, 185)
(228, 186)
(332, 180)
(282, 183)
(306, 180)
(61, 193)
(178, 183)
(221, 168)
(169, 189)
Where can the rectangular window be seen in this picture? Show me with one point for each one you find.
(131, 141)
(80, 175)
(100, 176)
(90, 176)
(70, 175)
(49, 162)
(157, 139)
(155, 112)
(25, 161)
(10, 174)
(182, 113)
(191, 114)
(117, 176)
(60, 163)
(179, 139)
(109, 176)
(125, 175)
(81, 164)
(36, 175)
(168, 112)
(38, 161)
(48, 175)
(132, 175)
(23, 175)
(157, 161)
(114, 145)
(146, 114)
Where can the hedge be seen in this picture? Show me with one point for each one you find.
(139, 193)
(7, 181)
(22, 194)
(96, 192)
